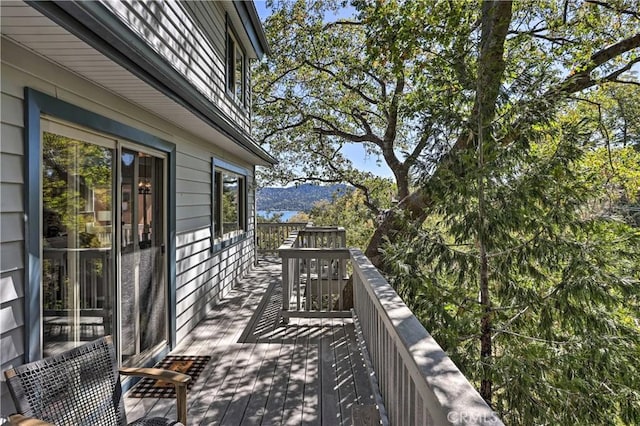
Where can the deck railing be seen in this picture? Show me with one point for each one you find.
(322, 237)
(270, 236)
(314, 273)
(418, 382)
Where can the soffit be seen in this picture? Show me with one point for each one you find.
(34, 31)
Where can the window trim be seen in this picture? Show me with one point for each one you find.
(38, 104)
(219, 166)
(230, 61)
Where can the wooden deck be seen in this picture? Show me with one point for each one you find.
(262, 372)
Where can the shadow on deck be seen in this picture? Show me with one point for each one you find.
(309, 371)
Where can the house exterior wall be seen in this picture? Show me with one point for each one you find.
(11, 235)
(171, 30)
(202, 275)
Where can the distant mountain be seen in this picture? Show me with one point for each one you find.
(296, 198)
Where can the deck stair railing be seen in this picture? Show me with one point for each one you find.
(314, 273)
(418, 382)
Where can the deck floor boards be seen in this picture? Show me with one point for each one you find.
(263, 372)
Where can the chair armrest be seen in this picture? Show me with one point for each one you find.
(20, 420)
(172, 377)
(179, 380)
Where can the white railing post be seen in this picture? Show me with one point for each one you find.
(286, 288)
(287, 272)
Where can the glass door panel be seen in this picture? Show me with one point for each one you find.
(143, 290)
(77, 235)
(97, 278)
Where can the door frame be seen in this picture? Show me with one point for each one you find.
(37, 105)
(121, 146)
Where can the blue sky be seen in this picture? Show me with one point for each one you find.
(262, 9)
(354, 151)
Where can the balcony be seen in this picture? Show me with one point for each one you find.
(318, 336)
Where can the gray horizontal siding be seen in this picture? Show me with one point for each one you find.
(210, 19)
(193, 189)
(11, 316)
(11, 111)
(11, 226)
(11, 347)
(192, 212)
(12, 135)
(12, 198)
(11, 239)
(193, 158)
(188, 199)
(175, 35)
(202, 277)
(212, 23)
(11, 285)
(11, 168)
(193, 175)
(205, 278)
(184, 186)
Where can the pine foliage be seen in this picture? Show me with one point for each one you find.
(564, 276)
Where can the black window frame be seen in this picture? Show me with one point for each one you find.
(220, 239)
(232, 46)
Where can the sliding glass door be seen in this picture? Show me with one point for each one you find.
(103, 238)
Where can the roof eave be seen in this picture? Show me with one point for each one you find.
(91, 23)
(252, 25)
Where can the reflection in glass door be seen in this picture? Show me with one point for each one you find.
(142, 285)
(77, 248)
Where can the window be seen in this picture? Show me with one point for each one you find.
(229, 202)
(235, 70)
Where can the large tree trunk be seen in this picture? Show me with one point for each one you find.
(578, 79)
(496, 17)
(414, 205)
(486, 329)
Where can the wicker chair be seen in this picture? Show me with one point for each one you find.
(82, 387)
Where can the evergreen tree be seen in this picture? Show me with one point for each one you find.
(561, 275)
